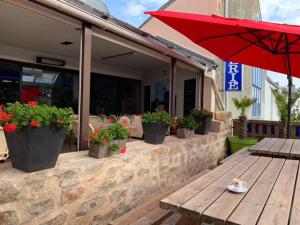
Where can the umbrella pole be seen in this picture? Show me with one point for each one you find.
(290, 84)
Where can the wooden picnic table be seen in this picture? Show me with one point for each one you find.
(287, 148)
(273, 196)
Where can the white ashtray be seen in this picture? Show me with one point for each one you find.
(238, 186)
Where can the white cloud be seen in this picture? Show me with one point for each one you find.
(281, 11)
(136, 8)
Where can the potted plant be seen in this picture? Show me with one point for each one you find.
(120, 134)
(100, 143)
(35, 134)
(242, 141)
(107, 141)
(203, 117)
(186, 127)
(155, 126)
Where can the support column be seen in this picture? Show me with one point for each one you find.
(172, 96)
(84, 87)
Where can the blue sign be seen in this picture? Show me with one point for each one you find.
(233, 77)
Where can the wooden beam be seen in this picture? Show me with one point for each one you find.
(172, 104)
(84, 87)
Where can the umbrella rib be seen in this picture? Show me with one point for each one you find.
(290, 44)
(278, 43)
(220, 36)
(248, 46)
(260, 40)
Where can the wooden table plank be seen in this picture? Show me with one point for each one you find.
(277, 209)
(295, 152)
(221, 209)
(200, 202)
(286, 148)
(276, 147)
(175, 200)
(295, 211)
(256, 147)
(249, 210)
(265, 148)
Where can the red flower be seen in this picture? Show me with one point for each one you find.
(32, 104)
(10, 127)
(104, 142)
(95, 134)
(35, 123)
(110, 121)
(4, 117)
(123, 150)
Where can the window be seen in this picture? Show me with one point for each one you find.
(257, 85)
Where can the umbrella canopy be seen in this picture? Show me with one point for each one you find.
(258, 44)
(269, 46)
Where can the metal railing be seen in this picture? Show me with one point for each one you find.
(263, 128)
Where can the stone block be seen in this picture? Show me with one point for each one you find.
(8, 192)
(60, 219)
(90, 205)
(9, 218)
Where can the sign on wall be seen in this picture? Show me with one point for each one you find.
(233, 77)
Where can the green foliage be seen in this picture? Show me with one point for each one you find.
(243, 104)
(115, 148)
(105, 135)
(157, 117)
(187, 122)
(282, 103)
(201, 113)
(23, 114)
(118, 131)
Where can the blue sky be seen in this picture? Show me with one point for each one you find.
(281, 11)
(132, 11)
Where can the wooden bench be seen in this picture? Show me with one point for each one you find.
(149, 212)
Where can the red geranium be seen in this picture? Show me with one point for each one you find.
(35, 123)
(123, 150)
(4, 117)
(10, 127)
(104, 142)
(32, 103)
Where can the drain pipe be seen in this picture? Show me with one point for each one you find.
(116, 29)
(226, 5)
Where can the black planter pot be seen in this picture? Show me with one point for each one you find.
(154, 133)
(204, 126)
(33, 149)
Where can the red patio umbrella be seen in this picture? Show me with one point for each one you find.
(265, 45)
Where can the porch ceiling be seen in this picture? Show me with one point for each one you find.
(27, 30)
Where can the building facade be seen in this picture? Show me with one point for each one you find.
(254, 79)
(74, 54)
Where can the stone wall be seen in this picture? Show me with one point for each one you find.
(86, 191)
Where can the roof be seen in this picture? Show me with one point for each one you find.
(161, 8)
(165, 43)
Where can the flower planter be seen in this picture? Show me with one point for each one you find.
(185, 133)
(236, 144)
(204, 125)
(120, 143)
(154, 133)
(33, 149)
(99, 151)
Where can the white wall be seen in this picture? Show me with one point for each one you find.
(271, 112)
